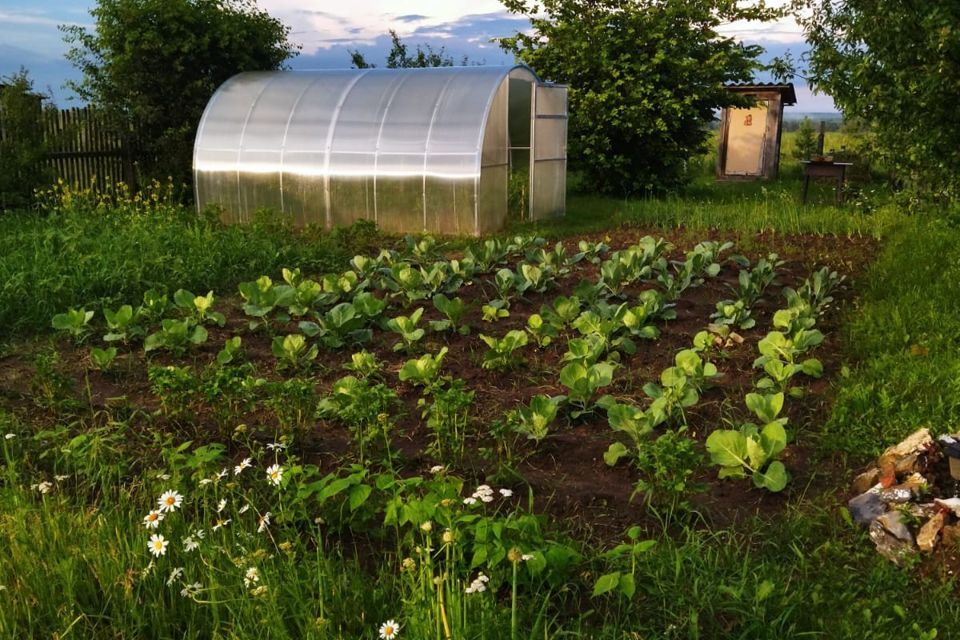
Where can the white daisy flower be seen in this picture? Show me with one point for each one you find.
(525, 557)
(152, 519)
(252, 576)
(191, 590)
(486, 498)
(170, 501)
(221, 505)
(263, 522)
(157, 545)
(163, 476)
(275, 474)
(199, 533)
(436, 469)
(426, 527)
(470, 500)
(174, 575)
(10, 436)
(222, 474)
(245, 464)
(44, 487)
(389, 630)
(506, 493)
(189, 544)
(205, 481)
(60, 478)
(221, 523)
(244, 509)
(276, 446)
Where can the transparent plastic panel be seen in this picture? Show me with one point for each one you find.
(521, 97)
(451, 201)
(492, 200)
(495, 135)
(458, 124)
(551, 100)
(549, 189)
(550, 139)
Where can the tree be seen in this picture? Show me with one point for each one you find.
(896, 66)
(22, 141)
(645, 78)
(154, 64)
(805, 143)
(398, 58)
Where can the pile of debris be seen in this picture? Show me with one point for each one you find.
(909, 499)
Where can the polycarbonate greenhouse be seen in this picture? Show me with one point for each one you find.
(439, 150)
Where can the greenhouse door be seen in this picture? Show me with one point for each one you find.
(746, 137)
(548, 166)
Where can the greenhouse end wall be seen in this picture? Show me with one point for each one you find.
(412, 149)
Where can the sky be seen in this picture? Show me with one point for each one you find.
(328, 31)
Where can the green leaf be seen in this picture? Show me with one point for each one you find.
(606, 583)
(773, 479)
(727, 448)
(627, 585)
(359, 495)
(614, 452)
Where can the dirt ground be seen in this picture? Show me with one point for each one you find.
(566, 472)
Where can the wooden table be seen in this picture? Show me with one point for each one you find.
(832, 170)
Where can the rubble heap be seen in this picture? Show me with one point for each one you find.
(909, 499)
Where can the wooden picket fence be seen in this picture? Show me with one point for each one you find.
(84, 149)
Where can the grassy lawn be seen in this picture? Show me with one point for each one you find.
(352, 542)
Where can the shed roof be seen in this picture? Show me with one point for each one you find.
(352, 122)
(786, 91)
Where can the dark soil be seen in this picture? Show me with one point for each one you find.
(566, 472)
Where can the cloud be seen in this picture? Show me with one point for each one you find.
(412, 17)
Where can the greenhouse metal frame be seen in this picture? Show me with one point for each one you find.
(441, 150)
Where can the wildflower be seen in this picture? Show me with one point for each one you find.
(389, 630)
(222, 474)
(60, 478)
(506, 493)
(152, 519)
(436, 469)
(275, 474)
(514, 555)
(221, 523)
(408, 564)
(10, 436)
(448, 537)
(245, 464)
(259, 591)
(170, 501)
(479, 584)
(470, 500)
(199, 533)
(174, 575)
(285, 546)
(44, 487)
(426, 527)
(205, 481)
(251, 576)
(263, 522)
(189, 544)
(191, 590)
(157, 545)
(276, 446)
(483, 493)
(163, 476)
(486, 498)
(525, 557)
(147, 570)
(244, 509)
(221, 505)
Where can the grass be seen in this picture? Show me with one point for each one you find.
(74, 563)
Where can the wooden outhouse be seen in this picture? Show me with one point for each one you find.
(750, 136)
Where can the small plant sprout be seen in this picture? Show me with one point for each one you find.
(199, 308)
(102, 359)
(495, 310)
(583, 382)
(262, 297)
(230, 351)
(453, 310)
(364, 364)
(175, 336)
(541, 330)
(534, 420)
(76, 322)
(423, 371)
(503, 352)
(406, 327)
(122, 324)
(293, 351)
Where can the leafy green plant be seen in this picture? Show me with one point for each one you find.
(583, 382)
(76, 322)
(453, 311)
(734, 313)
(425, 370)
(586, 350)
(341, 326)
(293, 351)
(198, 308)
(123, 324)
(175, 336)
(534, 419)
(293, 402)
(230, 352)
(495, 310)
(447, 415)
(680, 385)
(154, 307)
(636, 423)
(102, 359)
(364, 364)
(541, 330)
(752, 450)
(564, 311)
(262, 298)
(362, 406)
(308, 295)
(174, 386)
(668, 466)
(502, 353)
(406, 327)
(506, 282)
(623, 581)
(534, 278)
